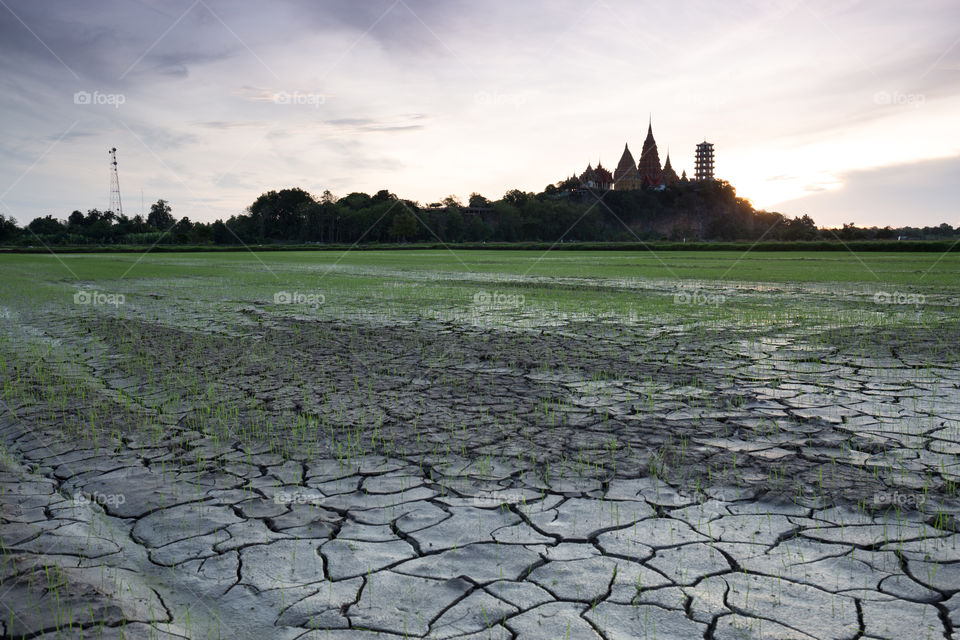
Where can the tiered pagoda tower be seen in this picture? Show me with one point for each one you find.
(703, 163)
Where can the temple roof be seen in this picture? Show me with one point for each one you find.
(589, 174)
(603, 176)
(626, 167)
(649, 165)
(669, 176)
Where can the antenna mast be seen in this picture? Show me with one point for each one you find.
(115, 205)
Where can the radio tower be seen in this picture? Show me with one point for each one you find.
(115, 205)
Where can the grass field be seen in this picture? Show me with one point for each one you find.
(486, 444)
(915, 269)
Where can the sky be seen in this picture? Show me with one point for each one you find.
(844, 111)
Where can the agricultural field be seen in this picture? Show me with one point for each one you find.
(480, 444)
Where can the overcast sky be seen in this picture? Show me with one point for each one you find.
(846, 111)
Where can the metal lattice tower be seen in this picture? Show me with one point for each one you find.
(115, 205)
(703, 163)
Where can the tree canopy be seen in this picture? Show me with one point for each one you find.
(561, 213)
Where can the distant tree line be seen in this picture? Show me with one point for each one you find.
(562, 212)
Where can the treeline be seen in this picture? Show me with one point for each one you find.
(685, 212)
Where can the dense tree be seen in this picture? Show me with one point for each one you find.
(279, 215)
(76, 219)
(160, 217)
(222, 235)
(404, 226)
(47, 225)
(8, 229)
(516, 197)
(477, 200)
(564, 213)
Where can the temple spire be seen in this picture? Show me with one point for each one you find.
(669, 175)
(625, 175)
(649, 166)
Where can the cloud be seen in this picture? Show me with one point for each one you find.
(223, 125)
(73, 135)
(914, 194)
(113, 43)
(177, 65)
(354, 94)
(407, 25)
(159, 138)
(406, 122)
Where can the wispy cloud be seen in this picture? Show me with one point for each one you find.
(408, 122)
(430, 97)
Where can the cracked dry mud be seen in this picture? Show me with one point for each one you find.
(274, 475)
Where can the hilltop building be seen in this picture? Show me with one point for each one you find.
(631, 175)
(598, 179)
(703, 163)
(626, 176)
(669, 175)
(651, 175)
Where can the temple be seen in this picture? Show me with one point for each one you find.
(631, 175)
(703, 169)
(598, 179)
(649, 165)
(626, 176)
(669, 175)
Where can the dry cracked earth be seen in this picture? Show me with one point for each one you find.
(274, 475)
